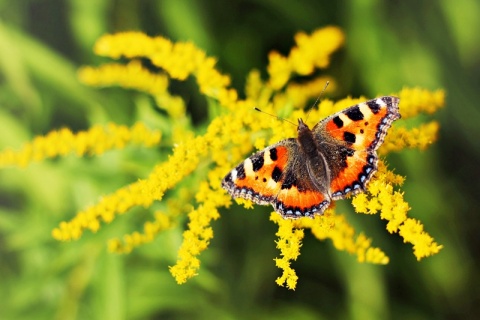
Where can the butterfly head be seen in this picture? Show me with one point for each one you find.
(302, 126)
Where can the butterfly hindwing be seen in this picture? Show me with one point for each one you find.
(277, 176)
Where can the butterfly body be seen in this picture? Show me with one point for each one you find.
(301, 177)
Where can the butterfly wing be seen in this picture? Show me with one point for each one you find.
(350, 138)
(277, 175)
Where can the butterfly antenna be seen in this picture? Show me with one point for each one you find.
(272, 115)
(318, 98)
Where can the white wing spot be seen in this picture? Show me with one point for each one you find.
(266, 158)
(248, 165)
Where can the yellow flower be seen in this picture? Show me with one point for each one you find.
(382, 197)
(311, 52)
(96, 140)
(417, 100)
(423, 243)
(199, 161)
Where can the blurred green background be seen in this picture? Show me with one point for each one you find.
(389, 45)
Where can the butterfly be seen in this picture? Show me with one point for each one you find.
(300, 177)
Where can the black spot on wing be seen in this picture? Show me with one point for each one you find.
(374, 106)
(349, 137)
(240, 171)
(276, 174)
(338, 122)
(273, 154)
(344, 154)
(354, 114)
(257, 161)
(228, 177)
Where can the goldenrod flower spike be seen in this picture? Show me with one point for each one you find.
(301, 94)
(134, 76)
(423, 244)
(311, 52)
(289, 243)
(136, 238)
(420, 137)
(97, 140)
(179, 60)
(417, 100)
(131, 75)
(142, 193)
(195, 240)
(384, 199)
(163, 220)
(328, 226)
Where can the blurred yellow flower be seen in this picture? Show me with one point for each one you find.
(97, 140)
(203, 159)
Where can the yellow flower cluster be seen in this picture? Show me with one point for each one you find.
(163, 221)
(134, 76)
(311, 52)
(417, 100)
(199, 161)
(179, 60)
(289, 242)
(141, 193)
(384, 199)
(97, 140)
(413, 102)
(423, 244)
